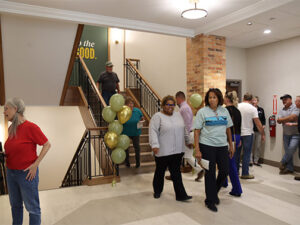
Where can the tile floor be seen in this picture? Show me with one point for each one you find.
(268, 199)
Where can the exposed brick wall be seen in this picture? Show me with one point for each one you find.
(206, 64)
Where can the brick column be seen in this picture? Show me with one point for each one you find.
(206, 64)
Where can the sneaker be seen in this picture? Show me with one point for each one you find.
(285, 171)
(234, 194)
(282, 166)
(247, 176)
(257, 164)
(200, 175)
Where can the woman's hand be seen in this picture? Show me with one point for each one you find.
(231, 151)
(155, 150)
(31, 171)
(198, 154)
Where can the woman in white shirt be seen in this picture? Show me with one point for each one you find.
(168, 137)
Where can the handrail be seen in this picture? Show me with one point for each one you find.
(92, 81)
(146, 82)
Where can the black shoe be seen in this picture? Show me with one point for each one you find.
(285, 171)
(156, 195)
(199, 176)
(168, 177)
(137, 165)
(297, 177)
(127, 165)
(184, 198)
(257, 164)
(212, 207)
(234, 194)
(250, 164)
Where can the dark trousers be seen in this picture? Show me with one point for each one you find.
(215, 156)
(136, 145)
(107, 95)
(172, 162)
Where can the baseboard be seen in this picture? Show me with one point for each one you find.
(276, 164)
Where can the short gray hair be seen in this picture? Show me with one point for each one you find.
(19, 105)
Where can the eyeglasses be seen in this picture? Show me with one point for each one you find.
(170, 104)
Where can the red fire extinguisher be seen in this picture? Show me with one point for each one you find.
(272, 125)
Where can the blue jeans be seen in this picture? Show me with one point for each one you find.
(107, 95)
(290, 144)
(21, 190)
(247, 147)
(233, 173)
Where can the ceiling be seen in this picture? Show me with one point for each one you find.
(227, 18)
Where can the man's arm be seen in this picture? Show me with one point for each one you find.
(290, 118)
(260, 128)
(118, 87)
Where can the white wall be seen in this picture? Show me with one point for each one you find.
(274, 70)
(36, 51)
(236, 66)
(163, 60)
(63, 126)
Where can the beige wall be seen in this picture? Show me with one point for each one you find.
(163, 59)
(64, 128)
(274, 70)
(36, 56)
(236, 65)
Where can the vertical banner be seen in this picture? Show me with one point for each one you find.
(274, 104)
(93, 48)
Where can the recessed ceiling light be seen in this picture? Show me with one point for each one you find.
(267, 31)
(249, 23)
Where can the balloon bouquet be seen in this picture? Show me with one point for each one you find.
(113, 138)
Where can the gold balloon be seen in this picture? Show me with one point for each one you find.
(111, 139)
(124, 114)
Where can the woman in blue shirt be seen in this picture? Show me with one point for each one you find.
(212, 135)
(131, 130)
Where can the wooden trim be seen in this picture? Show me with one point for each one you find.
(101, 180)
(137, 60)
(71, 63)
(92, 80)
(2, 84)
(97, 128)
(276, 164)
(147, 83)
(85, 103)
(136, 102)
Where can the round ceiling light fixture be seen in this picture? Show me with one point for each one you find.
(267, 31)
(194, 13)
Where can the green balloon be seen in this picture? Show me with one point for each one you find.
(123, 141)
(196, 100)
(116, 102)
(116, 127)
(108, 114)
(118, 155)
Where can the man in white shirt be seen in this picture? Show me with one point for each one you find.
(249, 115)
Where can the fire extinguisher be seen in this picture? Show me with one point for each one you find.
(272, 125)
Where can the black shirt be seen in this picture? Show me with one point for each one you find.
(261, 116)
(236, 119)
(109, 81)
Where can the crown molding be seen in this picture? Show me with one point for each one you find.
(242, 14)
(90, 19)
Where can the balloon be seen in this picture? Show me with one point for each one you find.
(111, 139)
(123, 141)
(118, 155)
(124, 114)
(116, 127)
(108, 114)
(196, 100)
(116, 102)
